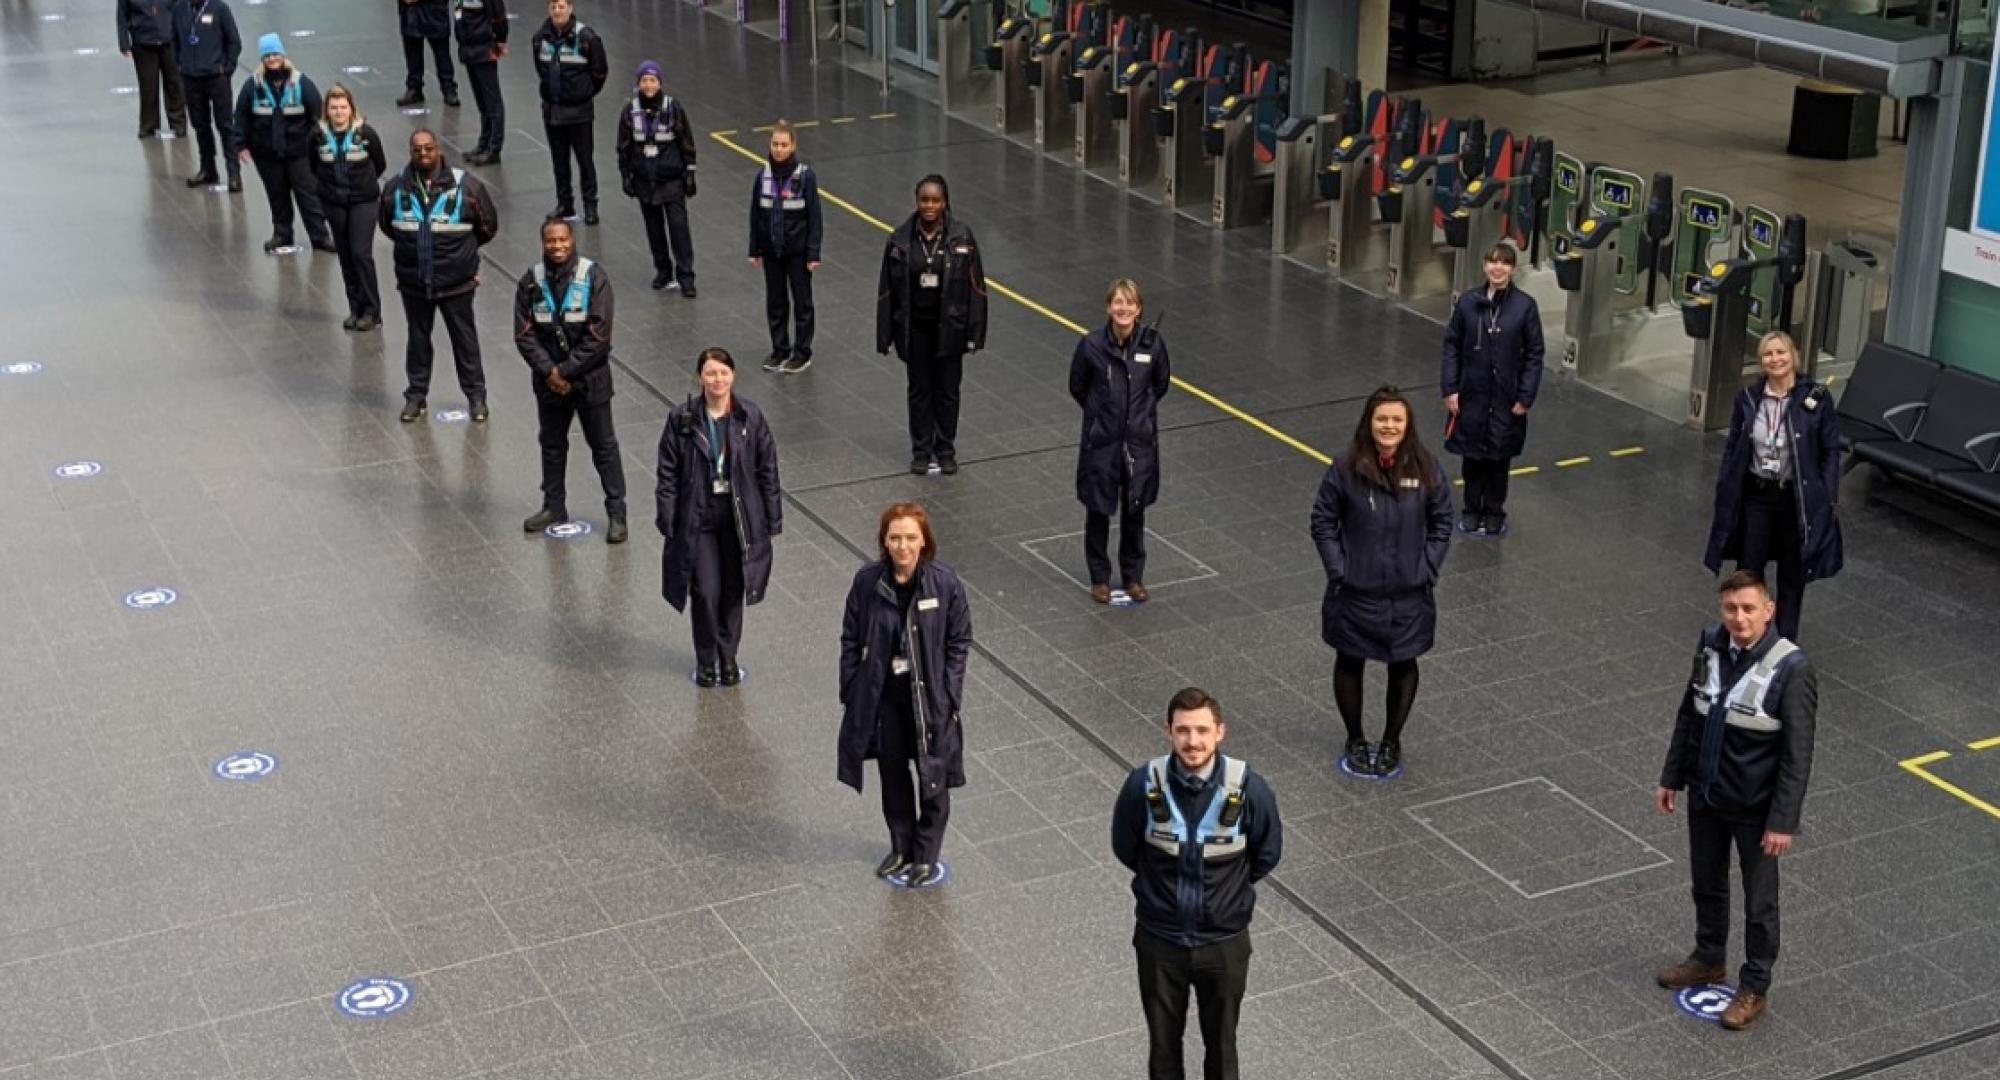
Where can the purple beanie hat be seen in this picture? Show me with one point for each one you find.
(650, 67)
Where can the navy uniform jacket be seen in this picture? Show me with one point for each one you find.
(571, 69)
(451, 266)
(778, 231)
(686, 469)
(1188, 900)
(662, 177)
(868, 636)
(349, 171)
(1814, 433)
(205, 39)
(144, 22)
(281, 134)
(1119, 388)
(481, 28)
(586, 362)
(962, 279)
(424, 18)
(1492, 361)
(1762, 775)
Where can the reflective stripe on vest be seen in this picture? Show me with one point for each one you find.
(445, 213)
(459, 9)
(576, 301)
(341, 145)
(1746, 699)
(569, 50)
(1218, 841)
(793, 198)
(646, 131)
(290, 103)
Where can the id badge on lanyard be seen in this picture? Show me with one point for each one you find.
(929, 279)
(719, 478)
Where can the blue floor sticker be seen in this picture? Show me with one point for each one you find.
(23, 367)
(247, 765)
(371, 999)
(940, 874)
(567, 530)
(150, 599)
(1706, 1002)
(451, 416)
(78, 470)
(1348, 771)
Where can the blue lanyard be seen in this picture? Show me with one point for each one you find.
(717, 445)
(341, 140)
(194, 24)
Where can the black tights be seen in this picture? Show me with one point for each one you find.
(1347, 695)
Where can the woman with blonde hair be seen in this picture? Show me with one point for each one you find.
(1775, 497)
(348, 161)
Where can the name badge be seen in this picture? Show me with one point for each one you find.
(899, 666)
(1142, 358)
(720, 487)
(795, 204)
(927, 280)
(928, 603)
(208, 20)
(652, 151)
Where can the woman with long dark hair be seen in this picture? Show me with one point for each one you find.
(719, 505)
(904, 640)
(931, 305)
(1382, 525)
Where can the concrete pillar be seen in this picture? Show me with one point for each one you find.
(1349, 36)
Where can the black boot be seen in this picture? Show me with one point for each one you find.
(730, 673)
(202, 179)
(590, 213)
(543, 518)
(413, 411)
(617, 532)
(1357, 758)
(411, 97)
(707, 676)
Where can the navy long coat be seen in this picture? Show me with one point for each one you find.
(425, 18)
(1813, 430)
(868, 641)
(1119, 388)
(1492, 360)
(683, 486)
(1382, 552)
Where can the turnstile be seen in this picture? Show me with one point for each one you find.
(1735, 301)
(1600, 265)
(1137, 100)
(966, 82)
(1187, 176)
(1091, 91)
(1243, 142)
(1013, 99)
(1051, 60)
(1359, 217)
(1505, 201)
(1420, 268)
(1299, 202)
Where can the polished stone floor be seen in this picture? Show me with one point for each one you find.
(491, 780)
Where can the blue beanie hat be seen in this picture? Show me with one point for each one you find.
(650, 67)
(269, 44)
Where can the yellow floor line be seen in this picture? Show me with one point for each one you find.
(1525, 470)
(1572, 462)
(842, 120)
(1059, 319)
(1916, 765)
(1628, 451)
(1984, 744)
(882, 116)
(803, 124)
(723, 134)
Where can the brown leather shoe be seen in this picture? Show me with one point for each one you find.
(1136, 591)
(1101, 593)
(1744, 1009)
(1690, 972)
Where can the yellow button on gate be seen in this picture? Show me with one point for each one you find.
(1589, 226)
(1718, 270)
(1475, 186)
(1346, 142)
(1229, 102)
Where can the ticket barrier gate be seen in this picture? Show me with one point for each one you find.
(1508, 202)
(1836, 319)
(1013, 99)
(1601, 261)
(1094, 84)
(1187, 178)
(1736, 300)
(1243, 142)
(1420, 268)
(1052, 60)
(1136, 102)
(1299, 202)
(966, 81)
(1363, 210)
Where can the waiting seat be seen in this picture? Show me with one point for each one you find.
(1886, 396)
(1960, 432)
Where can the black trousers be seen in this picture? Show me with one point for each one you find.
(933, 394)
(667, 234)
(353, 227)
(1218, 973)
(289, 180)
(459, 324)
(485, 80)
(155, 66)
(788, 304)
(213, 113)
(1770, 525)
(565, 140)
(1486, 486)
(413, 63)
(555, 412)
(1131, 543)
(918, 838)
(715, 588)
(1710, 838)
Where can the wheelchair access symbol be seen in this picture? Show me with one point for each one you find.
(24, 367)
(150, 599)
(78, 470)
(247, 765)
(1706, 1002)
(567, 530)
(371, 999)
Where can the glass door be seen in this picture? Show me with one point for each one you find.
(913, 33)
